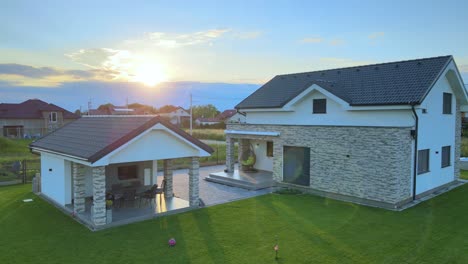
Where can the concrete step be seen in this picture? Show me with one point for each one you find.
(250, 184)
(233, 183)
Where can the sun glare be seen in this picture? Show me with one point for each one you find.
(149, 74)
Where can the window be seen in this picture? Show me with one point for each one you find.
(320, 106)
(53, 117)
(447, 104)
(127, 172)
(423, 161)
(445, 156)
(269, 149)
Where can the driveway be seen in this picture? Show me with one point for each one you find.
(211, 193)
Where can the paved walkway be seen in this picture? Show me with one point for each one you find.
(211, 193)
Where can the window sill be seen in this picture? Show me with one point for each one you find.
(423, 172)
(446, 166)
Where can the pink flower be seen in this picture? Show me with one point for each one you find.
(172, 242)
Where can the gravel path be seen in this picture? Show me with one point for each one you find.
(211, 193)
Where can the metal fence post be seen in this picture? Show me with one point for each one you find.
(24, 171)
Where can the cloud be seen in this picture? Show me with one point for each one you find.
(41, 72)
(312, 40)
(377, 35)
(248, 35)
(336, 42)
(175, 40)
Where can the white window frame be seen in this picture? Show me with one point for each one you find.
(51, 115)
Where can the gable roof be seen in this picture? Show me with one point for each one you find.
(227, 114)
(32, 109)
(393, 83)
(92, 138)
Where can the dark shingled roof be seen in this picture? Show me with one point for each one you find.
(32, 109)
(393, 83)
(92, 138)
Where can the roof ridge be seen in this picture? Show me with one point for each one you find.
(367, 65)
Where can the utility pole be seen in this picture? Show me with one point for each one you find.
(191, 120)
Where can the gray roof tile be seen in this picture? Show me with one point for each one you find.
(400, 82)
(92, 138)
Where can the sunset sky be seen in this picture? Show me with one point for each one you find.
(50, 45)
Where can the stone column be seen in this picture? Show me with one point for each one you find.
(99, 196)
(277, 161)
(244, 148)
(230, 154)
(458, 127)
(168, 178)
(193, 182)
(78, 174)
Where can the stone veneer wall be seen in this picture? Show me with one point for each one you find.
(99, 195)
(78, 174)
(168, 177)
(458, 127)
(194, 188)
(366, 162)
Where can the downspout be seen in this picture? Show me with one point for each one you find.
(415, 161)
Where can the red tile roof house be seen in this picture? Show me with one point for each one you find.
(382, 135)
(32, 118)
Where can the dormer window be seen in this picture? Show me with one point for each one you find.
(53, 117)
(447, 104)
(319, 106)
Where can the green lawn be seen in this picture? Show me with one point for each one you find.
(310, 230)
(12, 150)
(464, 174)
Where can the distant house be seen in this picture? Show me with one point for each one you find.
(383, 134)
(202, 121)
(32, 118)
(117, 110)
(231, 116)
(176, 116)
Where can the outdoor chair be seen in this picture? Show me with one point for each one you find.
(128, 196)
(151, 193)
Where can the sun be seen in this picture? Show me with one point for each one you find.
(149, 74)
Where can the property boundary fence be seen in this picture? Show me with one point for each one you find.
(19, 171)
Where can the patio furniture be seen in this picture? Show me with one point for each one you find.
(128, 195)
(151, 193)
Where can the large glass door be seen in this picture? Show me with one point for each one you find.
(296, 165)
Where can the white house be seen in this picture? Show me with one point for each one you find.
(381, 134)
(177, 116)
(202, 121)
(95, 157)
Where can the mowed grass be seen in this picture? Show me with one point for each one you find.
(309, 229)
(211, 134)
(13, 150)
(464, 174)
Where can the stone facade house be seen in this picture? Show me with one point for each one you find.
(32, 118)
(98, 159)
(381, 134)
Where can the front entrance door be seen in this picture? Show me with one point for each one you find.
(296, 165)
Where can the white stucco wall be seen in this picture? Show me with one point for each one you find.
(336, 115)
(155, 145)
(56, 178)
(263, 162)
(435, 131)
